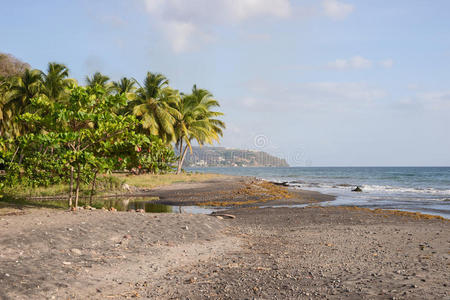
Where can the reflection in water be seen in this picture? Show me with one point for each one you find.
(151, 207)
(148, 205)
(125, 204)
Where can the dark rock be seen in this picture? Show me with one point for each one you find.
(284, 183)
(357, 189)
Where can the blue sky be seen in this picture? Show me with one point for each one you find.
(321, 83)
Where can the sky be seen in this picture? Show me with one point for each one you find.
(320, 83)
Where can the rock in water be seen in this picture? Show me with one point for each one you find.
(357, 189)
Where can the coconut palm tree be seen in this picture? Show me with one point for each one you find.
(22, 89)
(125, 85)
(100, 80)
(152, 106)
(205, 99)
(55, 81)
(5, 86)
(196, 121)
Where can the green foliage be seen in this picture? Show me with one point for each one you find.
(54, 132)
(109, 183)
(195, 120)
(152, 106)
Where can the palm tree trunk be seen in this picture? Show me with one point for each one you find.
(180, 163)
(15, 153)
(21, 156)
(179, 158)
(93, 187)
(77, 188)
(71, 187)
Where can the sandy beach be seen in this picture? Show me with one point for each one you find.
(262, 253)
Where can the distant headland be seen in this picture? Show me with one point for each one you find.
(229, 157)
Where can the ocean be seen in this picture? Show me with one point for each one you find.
(417, 189)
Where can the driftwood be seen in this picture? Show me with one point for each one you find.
(223, 216)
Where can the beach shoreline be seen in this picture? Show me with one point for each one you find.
(416, 189)
(266, 253)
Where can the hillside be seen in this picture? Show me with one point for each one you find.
(11, 66)
(227, 157)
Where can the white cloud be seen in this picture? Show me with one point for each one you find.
(356, 62)
(257, 37)
(187, 23)
(218, 10)
(435, 100)
(344, 91)
(182, 35)
(339, 64)
(387, 63)
(413, 86)
(359, 62)
(250, 102)
(311, 96)
(244, 9)
(336, 10)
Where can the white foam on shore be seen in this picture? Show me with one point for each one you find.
(374, 189)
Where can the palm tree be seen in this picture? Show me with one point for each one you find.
(100, 80)
(196, 121)
(205, 99)
(22, 89)
(125, 85)
(55, 81)
(152, 105)
(25, 87)
(5, 86)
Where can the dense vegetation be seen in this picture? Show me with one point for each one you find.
(55, 131)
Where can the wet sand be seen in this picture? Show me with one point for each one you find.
(263, 253)
(233, 190)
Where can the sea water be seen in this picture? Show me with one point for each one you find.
(418, 189)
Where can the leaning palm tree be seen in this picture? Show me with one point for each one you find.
(55, 81)
(205, 99)
(152, 106)
(196, 120)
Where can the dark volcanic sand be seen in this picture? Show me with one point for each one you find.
(264, 253)
(225, 189)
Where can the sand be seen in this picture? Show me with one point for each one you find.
(263, 253)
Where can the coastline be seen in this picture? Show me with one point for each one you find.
(295, 253)
(234, 191)
(416, 189)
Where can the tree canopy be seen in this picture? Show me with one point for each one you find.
(55, 131)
